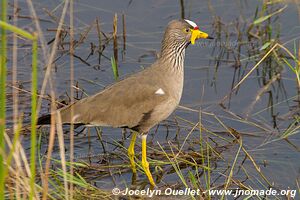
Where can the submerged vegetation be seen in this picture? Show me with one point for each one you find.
(225, 144)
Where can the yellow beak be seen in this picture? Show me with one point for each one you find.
(197, 34)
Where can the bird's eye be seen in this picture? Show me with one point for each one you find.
(186, 30)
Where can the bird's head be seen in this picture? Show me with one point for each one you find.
(184, 32)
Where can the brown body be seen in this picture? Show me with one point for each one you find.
(132, 102)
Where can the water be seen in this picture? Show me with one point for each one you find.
(205, 85)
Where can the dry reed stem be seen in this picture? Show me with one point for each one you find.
(53, 53)
(255, 66)
(256, 166)
(124, 32)
(115, 37)
(248, 74)
(39, 30)
(14, 70)
(71, 96)
(50, 149)
(60, 135)
(98, 28)
(18, 171)
(15, 91)
(49, 59)
(188, 135)
(229, 178)
(24, 169)
(260, 93)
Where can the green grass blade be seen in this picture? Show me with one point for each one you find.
(266, 17)
(2, 98)
(33, 115)
(289, 65)
(266, 45)
(229, 178)
(16, 30)
(114, 68)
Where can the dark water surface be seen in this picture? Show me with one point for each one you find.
(207, 81)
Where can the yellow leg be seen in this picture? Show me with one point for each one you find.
(145, 163)
(131, 152)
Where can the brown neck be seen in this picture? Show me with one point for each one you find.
(173, 53)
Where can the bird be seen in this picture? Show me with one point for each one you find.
(142, 100)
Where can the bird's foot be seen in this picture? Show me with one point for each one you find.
(145, 165)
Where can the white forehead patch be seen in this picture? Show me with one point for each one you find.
(160, 92)
(193, 24)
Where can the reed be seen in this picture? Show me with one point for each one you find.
(33, 37)
(124, 32)
(72, 97)
(115, 38)
(34, 113)
(3, 69)
(114, 68)
(99, 40)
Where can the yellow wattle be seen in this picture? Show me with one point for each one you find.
(195, 34)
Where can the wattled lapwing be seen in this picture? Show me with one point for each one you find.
(142, 100)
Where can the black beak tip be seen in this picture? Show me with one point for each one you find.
(210, 38)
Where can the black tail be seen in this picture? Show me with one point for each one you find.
(43, 120)
(46, 120)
